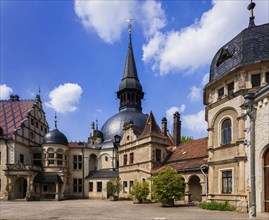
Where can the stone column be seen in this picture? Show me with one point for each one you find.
(186, 193)
(57, 197)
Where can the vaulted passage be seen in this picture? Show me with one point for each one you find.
(195, 189)
(266, 181)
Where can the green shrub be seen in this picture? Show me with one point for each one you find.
(167, 186)
(113, 187)
(216, 206)
(140, 191)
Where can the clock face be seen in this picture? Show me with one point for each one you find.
(39, 114)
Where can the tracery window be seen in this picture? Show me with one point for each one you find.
(226, 132)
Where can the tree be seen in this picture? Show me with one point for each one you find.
(167, 186)
(185, 139)
(113, 188)
(140, 191)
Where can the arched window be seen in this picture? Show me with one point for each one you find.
(226, 132)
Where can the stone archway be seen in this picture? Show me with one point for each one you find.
(20, 187)
(195, 188)
(266, 181)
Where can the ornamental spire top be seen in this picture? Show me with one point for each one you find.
(251, 6)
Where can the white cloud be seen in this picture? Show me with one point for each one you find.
(108, 18)
(194, 46)
(195, 94)
(65, 97)
(171, 111)
(5, 91)
(205, 79)
(195, 122)
(99, 110)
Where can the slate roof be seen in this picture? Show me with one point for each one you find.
(47, 178)
(248, 47)
(103, 174)
(130, 78)
(55, 137)
(151, 128)
(12, 113)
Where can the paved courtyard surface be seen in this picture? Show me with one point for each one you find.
(103, 209)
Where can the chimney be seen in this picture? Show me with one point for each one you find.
(16, 98)
(11, 97)
(177, 129)
(164, 126)
(92, 130)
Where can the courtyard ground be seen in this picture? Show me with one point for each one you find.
(103, 209)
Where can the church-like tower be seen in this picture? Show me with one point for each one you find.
(130, 90)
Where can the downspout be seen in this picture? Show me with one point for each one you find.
(251, 112)
(83, 196)
(204, 166)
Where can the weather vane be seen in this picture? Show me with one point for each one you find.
(55, 120)
(129, 21)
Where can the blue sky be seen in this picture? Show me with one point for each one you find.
(75, 52)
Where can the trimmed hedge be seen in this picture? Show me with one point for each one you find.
(216, 206)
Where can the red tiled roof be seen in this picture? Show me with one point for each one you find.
(185, 165)
(75, 144)
(12, 113)
(190, 150)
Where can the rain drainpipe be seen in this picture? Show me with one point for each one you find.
(251, 112)
(204, 166)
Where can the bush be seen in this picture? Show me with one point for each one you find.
(217, 206)
(167, 186)
(140, 191)
(113, 187)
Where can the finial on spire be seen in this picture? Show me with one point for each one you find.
(55, 120)
(129, 21)
(251, 6)
(39, 91)
(96, 124)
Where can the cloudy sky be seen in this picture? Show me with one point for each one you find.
(75, 52)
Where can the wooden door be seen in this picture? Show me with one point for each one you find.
(266, 181)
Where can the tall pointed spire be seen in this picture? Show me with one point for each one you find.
(130, 90)
(251, 6)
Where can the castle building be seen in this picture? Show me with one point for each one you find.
(240, 67)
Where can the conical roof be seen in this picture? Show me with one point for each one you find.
(130, 78)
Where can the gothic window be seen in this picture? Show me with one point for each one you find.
(77, 185)
(256, 80)
(77, 162)
(226, 132)
(227, 181)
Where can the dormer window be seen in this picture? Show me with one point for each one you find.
(256, 80)
(221, 92)
(225, 54)
(230, 88)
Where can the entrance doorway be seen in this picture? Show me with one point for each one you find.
(195, 188)
(266, 181)
(20, 188)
